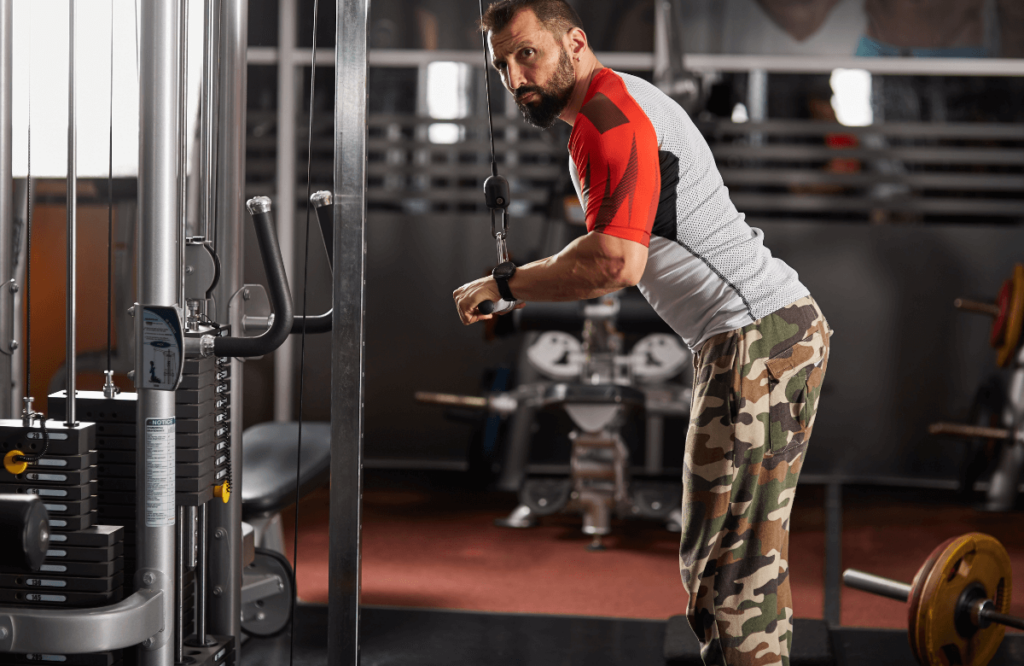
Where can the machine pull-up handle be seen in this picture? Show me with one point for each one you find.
(280, 294)
(323, 204)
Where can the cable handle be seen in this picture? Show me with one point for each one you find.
(498, 307)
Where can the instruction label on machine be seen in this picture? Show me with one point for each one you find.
(162, 342)
(159, 472)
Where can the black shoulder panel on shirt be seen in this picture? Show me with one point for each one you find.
(665, 219)
(603, 113)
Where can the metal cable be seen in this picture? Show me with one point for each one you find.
(487, 89)
(28, 281)
(302, 336)
(110, 194)
(28, 248)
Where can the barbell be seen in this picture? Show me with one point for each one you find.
(957, 602)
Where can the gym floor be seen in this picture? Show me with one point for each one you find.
(442, 585)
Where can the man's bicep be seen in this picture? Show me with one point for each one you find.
(628, 255)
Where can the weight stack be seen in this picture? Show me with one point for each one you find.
(84, 564)
(65, 474)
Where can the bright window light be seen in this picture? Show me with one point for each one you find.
(739, 113)
(40, 52)
(851, 98)
(444, 133)
(447, 88)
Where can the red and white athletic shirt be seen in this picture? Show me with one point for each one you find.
(643, 172)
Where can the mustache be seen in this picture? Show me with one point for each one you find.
(523, 91)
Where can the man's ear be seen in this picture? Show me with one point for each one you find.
(577, 42)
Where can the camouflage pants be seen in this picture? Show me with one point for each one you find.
(755, 395)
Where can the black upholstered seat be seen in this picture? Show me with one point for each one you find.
(268, 464)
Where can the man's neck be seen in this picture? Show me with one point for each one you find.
(585, 71)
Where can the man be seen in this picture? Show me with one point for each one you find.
(659, 217)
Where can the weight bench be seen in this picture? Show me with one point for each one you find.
(268, 472)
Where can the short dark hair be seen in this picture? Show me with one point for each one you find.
(555, 15)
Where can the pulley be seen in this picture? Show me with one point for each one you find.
(957, 601)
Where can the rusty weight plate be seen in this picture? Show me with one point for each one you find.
(954, 566)
(1014, 319)
(999, 324)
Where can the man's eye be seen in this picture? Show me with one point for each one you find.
(528, 52)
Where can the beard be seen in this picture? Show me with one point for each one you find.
(551, 99)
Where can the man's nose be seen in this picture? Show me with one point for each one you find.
(515, 77)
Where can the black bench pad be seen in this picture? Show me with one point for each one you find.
(268, 464)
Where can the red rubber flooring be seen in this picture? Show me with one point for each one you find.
(440, 549)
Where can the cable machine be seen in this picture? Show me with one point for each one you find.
(159, 565)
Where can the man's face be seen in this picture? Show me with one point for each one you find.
(535, 67)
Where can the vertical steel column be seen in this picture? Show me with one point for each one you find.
(833, 551)
(208, 119)
(6, 211)
(757, 101)
(225, 546)
(157, 285)
(284, 357)
(72, 205)
(347, 334)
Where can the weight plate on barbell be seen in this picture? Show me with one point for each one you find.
(1014, 319)
(959, 563)
(999, 324)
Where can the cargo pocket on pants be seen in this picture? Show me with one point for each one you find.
(790, 413)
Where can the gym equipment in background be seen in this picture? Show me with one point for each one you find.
(600, 387)
(958, 601)
(996, 415)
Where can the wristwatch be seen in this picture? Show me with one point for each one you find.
(502, 273)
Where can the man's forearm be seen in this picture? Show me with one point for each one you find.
(584, 269)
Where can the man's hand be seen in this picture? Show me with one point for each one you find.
(472, 294)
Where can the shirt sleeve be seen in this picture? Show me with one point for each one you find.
(620, 179)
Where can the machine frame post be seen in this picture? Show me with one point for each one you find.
(347, 337)
(158, 274)
(225, 520)
(6, 209)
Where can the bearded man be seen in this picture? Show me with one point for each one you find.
(659, 217)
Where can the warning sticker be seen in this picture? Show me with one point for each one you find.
(161, 348)
(159, 489)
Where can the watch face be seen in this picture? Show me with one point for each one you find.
(504, 270)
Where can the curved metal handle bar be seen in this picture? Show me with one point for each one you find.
(33, 630)
(280, 293)
(323, 204)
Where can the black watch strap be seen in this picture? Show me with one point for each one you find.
(501, 274)
(504, 290)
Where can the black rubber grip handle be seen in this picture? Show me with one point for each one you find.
(487, 307)
(280, 294)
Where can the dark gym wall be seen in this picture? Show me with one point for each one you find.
(902, 356)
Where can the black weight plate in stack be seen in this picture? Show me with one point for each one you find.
(63, 472)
